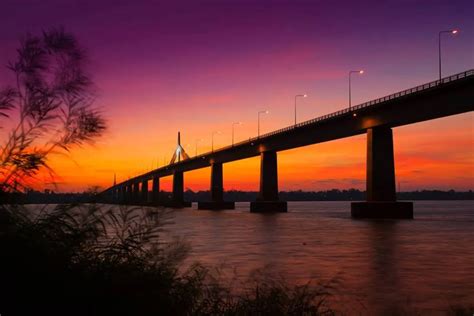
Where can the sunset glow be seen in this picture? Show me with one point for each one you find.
(202, 68)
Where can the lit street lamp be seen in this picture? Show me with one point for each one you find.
(453, 32)
(261, 112)
(212, 139)
(233, 124)
(296, 96)
(360, 72)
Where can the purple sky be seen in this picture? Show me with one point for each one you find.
(195, 66)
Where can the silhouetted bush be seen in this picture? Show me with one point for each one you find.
(103, 260)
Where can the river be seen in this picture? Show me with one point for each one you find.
(424, 265)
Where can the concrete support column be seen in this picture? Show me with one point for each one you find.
(122, 194)
(267, 200)
(129, 194)
(178, 187)
(380, 165)
(113, 195)
(108, 197)
(136, 193)
(217, 183)
(177, 199)
(178, 192)
(155, 195)
(217, 191)
(144, 195)
(268, 177)
(381, 194)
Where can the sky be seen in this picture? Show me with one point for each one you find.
(198, 66)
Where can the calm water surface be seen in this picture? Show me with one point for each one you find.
(423, 265)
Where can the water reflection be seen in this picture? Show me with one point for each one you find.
(383, 266)
(383, 272)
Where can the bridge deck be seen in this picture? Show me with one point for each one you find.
(448, 96)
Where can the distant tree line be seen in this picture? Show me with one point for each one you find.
(50, 197)
(245, 196)
(332, 195)
(436, 195)
(35, 197)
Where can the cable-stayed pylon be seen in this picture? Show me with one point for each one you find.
(179, 152)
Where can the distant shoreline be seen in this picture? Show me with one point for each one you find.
(49, 197)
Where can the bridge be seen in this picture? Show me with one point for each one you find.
(448, 96)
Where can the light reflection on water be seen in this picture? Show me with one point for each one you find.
(425, 264)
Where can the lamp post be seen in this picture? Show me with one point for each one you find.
(453, 32)
(212, 139)
(233, 124)
(360, 72)
(197, 141)
(296, 96)
(260, 112)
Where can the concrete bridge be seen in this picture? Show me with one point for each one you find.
(448, 96)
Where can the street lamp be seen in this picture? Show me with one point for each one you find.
(296, 96)
(360, 72)
(233, 124)
(212, 139)
(453, 32)
(197, 141)
(261, 112)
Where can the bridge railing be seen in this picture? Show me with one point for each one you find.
(345, 111)
(342, 112)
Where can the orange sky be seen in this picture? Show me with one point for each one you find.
(166, 67)
(438, 154)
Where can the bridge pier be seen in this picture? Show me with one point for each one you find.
(113, 196)
(267, 200)
(129, 194)
(155, 194)
(217, 191)
(116, 195)
(144, 195)
(178, 187)
(381, 195)
(136, 193)
(121, 199)
(177, 200)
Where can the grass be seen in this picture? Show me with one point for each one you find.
(95, 259)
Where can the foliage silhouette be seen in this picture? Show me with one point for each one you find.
(102, 260)
(52, 100)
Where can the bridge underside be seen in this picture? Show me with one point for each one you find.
(377, 120)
